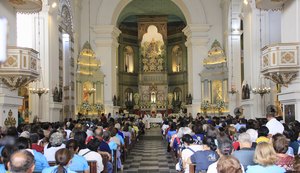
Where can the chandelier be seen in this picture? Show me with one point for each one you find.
(39, 91)
(261, 91)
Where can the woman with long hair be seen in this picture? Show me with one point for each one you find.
(62, 159)
(265, 157)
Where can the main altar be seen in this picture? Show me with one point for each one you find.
(153, 77)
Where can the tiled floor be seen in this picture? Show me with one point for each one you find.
(150, 155)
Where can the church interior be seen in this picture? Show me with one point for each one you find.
(73, 60)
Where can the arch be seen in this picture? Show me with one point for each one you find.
(109, 11)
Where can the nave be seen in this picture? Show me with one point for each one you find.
(150, 155)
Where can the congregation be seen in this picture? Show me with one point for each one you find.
(233, 145)
(80, 146)
(201, 144)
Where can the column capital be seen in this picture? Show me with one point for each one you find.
(197, 34)
(106, 35)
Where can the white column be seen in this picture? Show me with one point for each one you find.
(197, 39)
(107, 50)
(234, 69)
(290, 32)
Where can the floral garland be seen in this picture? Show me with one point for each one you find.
(205, 105)
(220, 104)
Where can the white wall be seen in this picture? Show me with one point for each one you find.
(274, 27)
(8, 12)
(213, 13)
(290, 25)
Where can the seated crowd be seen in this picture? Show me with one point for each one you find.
(232, 145)
(69, 146)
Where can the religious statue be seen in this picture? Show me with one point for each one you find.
(55, 95)
(10, 121)
(115, 100)
(60, 93)
(189, 99)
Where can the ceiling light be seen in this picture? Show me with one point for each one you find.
(246, 2)
(54, 4)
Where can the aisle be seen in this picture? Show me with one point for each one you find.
(150, 155)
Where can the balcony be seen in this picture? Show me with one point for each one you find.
(20, 68)
(280, 62)
(270, 4)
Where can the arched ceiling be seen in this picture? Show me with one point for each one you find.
(151, 7)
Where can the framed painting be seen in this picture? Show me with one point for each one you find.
(289, 113)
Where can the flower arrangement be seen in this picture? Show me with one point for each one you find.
(220, 104)
(205, 105)
(98, 107)
(86, 106)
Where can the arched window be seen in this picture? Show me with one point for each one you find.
(128, 95)
(176, 58)
(128, 59)
(177, 94)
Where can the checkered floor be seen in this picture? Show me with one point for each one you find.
(150, 155)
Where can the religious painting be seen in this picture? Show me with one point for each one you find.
(217, 90)
(289, 113)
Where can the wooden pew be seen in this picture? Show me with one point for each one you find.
(192, 168)
(105, 160)
(92, 165)
(114, 161)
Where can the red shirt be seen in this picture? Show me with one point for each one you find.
(38, 148)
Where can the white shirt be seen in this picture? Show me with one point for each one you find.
(92, 155)
(274, 126)
(49, 153)
(186, 153)
(213, 168)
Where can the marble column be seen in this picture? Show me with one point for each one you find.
(106, 41)
(197, 40)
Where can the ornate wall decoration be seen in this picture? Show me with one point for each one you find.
(153, 56)
(287, 57)
(282, 78)
(10, 121)
(12, 61)
(216, 55)
(33, 64)
(265, 60)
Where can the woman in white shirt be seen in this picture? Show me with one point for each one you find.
(55, 143)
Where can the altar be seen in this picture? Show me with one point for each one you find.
(155, 120)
